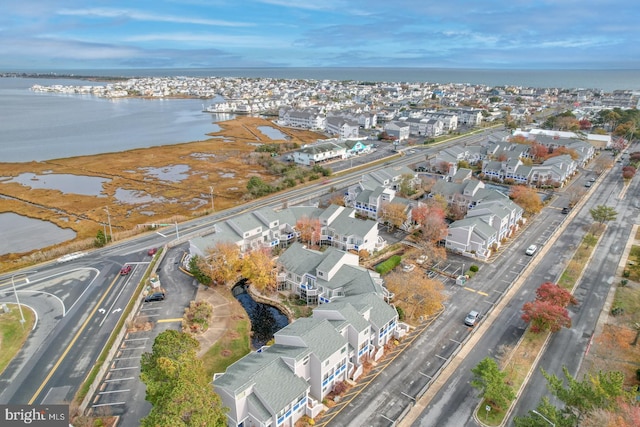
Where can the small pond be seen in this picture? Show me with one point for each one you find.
(66, 183)
(272, 133)
(266, 320)
(22, 234)
(174, 173)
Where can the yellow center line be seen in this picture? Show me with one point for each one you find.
(73, 341)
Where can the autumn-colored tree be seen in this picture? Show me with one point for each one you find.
(527, 198)
(564, 150)
(363, 255)
(427, 184)
(575, 194)
(567, 123)
(222, 262)
(257, 268)
(337, 199)
(519, 139)
(416, 294)
(443, 167)
(554, 294)
(310, 230)
(585, 124)
(456, 212)
(502, 157)
(545, 316)
(538, 151)
(393, 214)
(431, 220)
(628, 172)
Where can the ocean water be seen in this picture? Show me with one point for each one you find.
(607, 80)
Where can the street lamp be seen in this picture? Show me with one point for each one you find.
(109, 219)
(211, 190)
(13, 283)
(543, 417)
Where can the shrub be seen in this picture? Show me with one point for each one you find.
(388, 265)
(626, 273)
(617, 311)
(474, 268)
(340, 388)
(624, 282)
(638, 374)
(400, 313)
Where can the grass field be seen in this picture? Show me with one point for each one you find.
(12, 333)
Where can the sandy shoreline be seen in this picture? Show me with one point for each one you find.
(225, 162)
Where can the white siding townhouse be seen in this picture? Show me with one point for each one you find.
(270, 228)
(319, 152)
(276, 385)
(398, 130)
(344, 128)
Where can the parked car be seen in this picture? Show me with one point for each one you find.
(152, 251)
(566, 210)
(531, 250)
(156, 296)
(407, 268)
(587, 184)
(421, 259)
(471, 318)
(125, 270)
(593, 179)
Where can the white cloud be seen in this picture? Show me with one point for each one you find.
(221, 40)
(144, 16)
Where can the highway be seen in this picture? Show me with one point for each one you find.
(456, 401)
(79, 302)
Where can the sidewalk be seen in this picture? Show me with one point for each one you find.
(219, 320)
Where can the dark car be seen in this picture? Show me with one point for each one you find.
(566, 210)
(125, 270)
(156, 296)
(152, 251)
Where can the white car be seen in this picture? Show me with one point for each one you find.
(531, 250)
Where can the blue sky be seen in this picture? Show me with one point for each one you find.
(536, 34)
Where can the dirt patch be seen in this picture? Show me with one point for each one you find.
(154, 194)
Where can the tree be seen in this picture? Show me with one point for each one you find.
(602, 213)
(628, 172)
(406, 188)
(490, 380)
(545, 316)
(222, 262)
(555, 294)
(310, 230)
(100, 240)
(527, 198)
(257, 267)
(586, 403)
(539, 151)
(394, 214)
(177, 385)
(416, 294)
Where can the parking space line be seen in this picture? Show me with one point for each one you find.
(136, 339)
(125, 358)
(115, 391)
(119, 379)
(122, 369)
(131, 348)
(108, 404)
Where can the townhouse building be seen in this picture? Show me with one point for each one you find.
(270, 228)
(313, 154)
(344, 128)
(398, 130)
(278, 384)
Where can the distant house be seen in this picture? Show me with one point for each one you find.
(319, 152)
(398, 130)
(344, 128)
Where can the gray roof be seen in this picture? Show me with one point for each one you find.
(350, 315)
(318, 335)
(477, 224)
(263, 370)
(381, 312)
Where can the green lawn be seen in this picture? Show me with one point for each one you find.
(231, 347)
(12, 333)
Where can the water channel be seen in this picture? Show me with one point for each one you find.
(266, 320)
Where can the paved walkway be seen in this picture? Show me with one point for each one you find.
(219, 321)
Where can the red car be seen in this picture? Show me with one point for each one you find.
(152, 251)
(125, 270)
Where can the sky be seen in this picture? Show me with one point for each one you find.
(490, 34)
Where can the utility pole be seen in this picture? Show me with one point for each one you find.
(211, 189)
(109, 219)
(13, 284)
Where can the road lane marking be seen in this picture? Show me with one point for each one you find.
(73, 341)
(177, 319)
